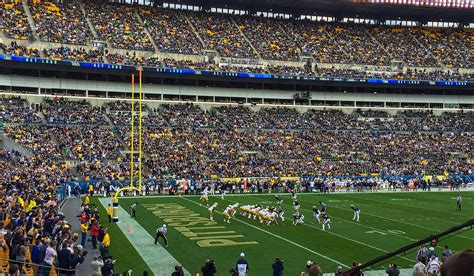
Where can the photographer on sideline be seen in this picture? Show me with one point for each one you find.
(178, 271)
(209, 268)
(392, 270)
(278, 267)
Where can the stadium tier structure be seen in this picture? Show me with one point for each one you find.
(315, 136)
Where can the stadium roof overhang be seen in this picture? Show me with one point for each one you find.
(340, 8)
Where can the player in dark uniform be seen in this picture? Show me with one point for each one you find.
(296, 206)
(298, 218)
(322, 207)
(317, 214)
(279, 201)
(356, 212)
(326, 221)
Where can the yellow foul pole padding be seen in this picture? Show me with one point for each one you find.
(140, 130)
(131, 187)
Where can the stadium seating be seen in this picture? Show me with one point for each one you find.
(181, 32)
(60, 23)
(187, 141)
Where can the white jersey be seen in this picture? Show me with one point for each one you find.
(212, 208)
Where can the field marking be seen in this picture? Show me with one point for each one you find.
(314, 193)
(355, 241)
(158, 259)
(407, 223)
(277, 236)
(418, 207)
(411, 219)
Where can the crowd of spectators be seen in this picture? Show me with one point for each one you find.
(233, 36)
(60, 23)
(171, 32)
(65, 112)
(269, 38)
(220, 33)
(452, 48)
(34, 231)
(17, 50)
(16, 110)
(184, 140)
(14, 21)
(74, 54)
(118, 25)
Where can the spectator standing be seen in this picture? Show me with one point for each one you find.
(392, 270)
(178, 271)
(433, 266)
(49, 258)
(104, 247)
(95, 233)
(278, 267)
(96, 266)
(209, 268)
(242, 265)
(84, 229)
(446, 253)
(313, 269)
(109, 212)
(420, 269)
(64, 260)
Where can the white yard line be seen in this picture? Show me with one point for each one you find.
(160, 261)
(277, 236)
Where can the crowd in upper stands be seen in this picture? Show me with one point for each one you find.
(183, 140)
(60, 23)
(249, 37)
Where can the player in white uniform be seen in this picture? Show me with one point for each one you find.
(222, 194)
(205, 196)
(317, 214)
(356, 212)
(326, 221)
(227, 213)
(211, 211)
(233, 208)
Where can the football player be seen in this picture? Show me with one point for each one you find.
(322, 207)
(211, 211)
(296, 206)
(233, 208)
(222, 195)
(227, 213)
(317, 214)
(326, 221)
(205, 196)
(279, 201)
(298, 218)
(293, 194)
(356, 212)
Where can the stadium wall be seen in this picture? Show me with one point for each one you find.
(97, 92)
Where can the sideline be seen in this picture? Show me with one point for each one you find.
(466, 190)
(158, 259)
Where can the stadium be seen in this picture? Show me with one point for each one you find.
(216, 137)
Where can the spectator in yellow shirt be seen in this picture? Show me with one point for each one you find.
(109, 213)
(84, 228)
(104, 249)
(87, 200)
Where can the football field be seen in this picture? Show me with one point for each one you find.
(388, 221)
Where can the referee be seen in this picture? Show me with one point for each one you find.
(161, 232)
(458, 203)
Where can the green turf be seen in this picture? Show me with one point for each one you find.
(388, 222)
(120, 248)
